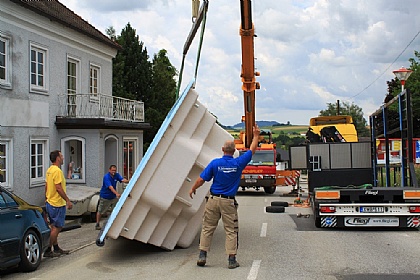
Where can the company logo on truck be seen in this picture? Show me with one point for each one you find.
(252, 171)
(372, 221)
(357, 221)
(371, 192)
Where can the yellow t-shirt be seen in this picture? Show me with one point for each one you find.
(55, 176)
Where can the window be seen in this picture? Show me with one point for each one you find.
(94, 81)
(73, 150)
(129, 159)
(8, 200)
(39, 160)
(5, 163)
(38, 68)
(72, 85)
(262, 157)
(5, 62)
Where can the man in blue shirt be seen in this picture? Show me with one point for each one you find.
(108, 195)
(226, 173)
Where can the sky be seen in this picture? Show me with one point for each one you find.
(309, 52)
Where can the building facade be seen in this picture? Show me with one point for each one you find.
(56, 93)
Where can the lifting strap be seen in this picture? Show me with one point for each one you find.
(200, 18)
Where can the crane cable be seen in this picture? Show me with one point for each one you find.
(203, 26)
(197, 20)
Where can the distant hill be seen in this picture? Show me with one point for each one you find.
(259, 123)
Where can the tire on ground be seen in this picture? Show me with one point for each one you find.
(274, 209)
(269, 190)
(318, 222)
(280, 203)
(30, 252)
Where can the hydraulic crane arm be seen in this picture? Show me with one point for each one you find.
(249, 84)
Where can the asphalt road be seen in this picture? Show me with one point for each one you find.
(271, 246)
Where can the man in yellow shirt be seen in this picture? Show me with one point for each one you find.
(57, 202)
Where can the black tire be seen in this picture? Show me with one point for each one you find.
(100, 243)
(318, 222)
(30, 252)
(274, 209)
(93, 217)
(269, 190)
(280, 203)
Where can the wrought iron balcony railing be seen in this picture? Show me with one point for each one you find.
(100, 106)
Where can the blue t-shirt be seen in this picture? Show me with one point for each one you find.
(226, 173)
(110, 181)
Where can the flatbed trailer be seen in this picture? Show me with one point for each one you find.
(348, 188)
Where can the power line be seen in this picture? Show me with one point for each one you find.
(412, 40)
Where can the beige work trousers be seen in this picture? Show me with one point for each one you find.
(216, 208)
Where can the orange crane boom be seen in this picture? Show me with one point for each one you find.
(248, 74)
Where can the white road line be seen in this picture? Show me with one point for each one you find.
(263, 230)
(253, 273)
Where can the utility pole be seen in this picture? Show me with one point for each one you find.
(338, 107)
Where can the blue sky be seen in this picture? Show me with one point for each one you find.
(309, 52)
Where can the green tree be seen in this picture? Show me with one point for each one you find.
(110, 31)
(352, 110)
(413, 85)
(132, 72)
(135, 77)
(284, 141)
(162, 94)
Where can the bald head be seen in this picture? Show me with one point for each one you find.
(229, 147)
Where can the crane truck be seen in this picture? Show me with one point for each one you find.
(261, 171)
(347, 187)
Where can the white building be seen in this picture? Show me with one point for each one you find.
(56, 93)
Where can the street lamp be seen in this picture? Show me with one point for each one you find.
(402, 74)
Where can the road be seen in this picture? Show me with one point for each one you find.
(271, 246)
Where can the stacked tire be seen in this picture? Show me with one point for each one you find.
(276, 207)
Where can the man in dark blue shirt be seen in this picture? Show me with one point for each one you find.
(226, 173)
(108, 194)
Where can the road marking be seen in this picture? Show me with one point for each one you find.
(253, 273)
(264, 230)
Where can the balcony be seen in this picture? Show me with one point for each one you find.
(100, 106)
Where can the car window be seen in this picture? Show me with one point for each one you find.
(8, 200)
(2, 201)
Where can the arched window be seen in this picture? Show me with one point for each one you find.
(73, 150)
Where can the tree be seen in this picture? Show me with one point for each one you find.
(132, 72)
(162, 94)
(283, 141)
(413, 85)
(110, 31)
(352, 110)
(135, 77)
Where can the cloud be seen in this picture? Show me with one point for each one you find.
(309, 52)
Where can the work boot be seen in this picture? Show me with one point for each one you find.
(232, 262)
(202, 258)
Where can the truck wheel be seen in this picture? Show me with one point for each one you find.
(274, 209)
(318, 222)
(269, 190)
(280, 203)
